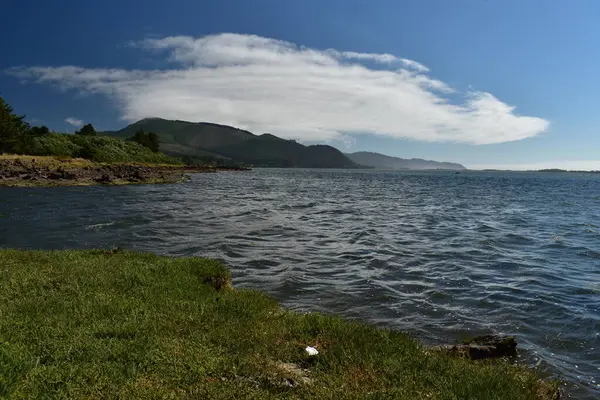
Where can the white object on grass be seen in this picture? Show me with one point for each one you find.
(311, 351)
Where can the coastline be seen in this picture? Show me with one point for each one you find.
(35, 171)
(135, 325)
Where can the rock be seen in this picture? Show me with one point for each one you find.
(61, 173)
(138, 174)
(493, 345)
(294, 374)
(23, 172)
(105, 178)
(483, 347)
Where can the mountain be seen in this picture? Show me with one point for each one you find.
(269, 150)
(376, 160)
(186, 138)
(226, 144)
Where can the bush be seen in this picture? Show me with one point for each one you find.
(16, 136)
(110, 150)
(53, 145)
(96, 148)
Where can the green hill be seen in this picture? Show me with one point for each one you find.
(376, 160)
(186, 138)
(231, 145)
(271, 151)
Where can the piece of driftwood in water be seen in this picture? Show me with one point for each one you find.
(482, 347)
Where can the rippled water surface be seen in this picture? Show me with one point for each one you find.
(439, 255)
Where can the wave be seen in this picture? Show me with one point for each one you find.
(100, 226)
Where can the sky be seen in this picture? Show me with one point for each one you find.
(490, 84)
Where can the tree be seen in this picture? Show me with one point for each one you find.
(153, 142)
(86, 130)
(39, 130)
(149, 140)
(12, 127)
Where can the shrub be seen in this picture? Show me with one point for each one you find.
(17, 136)
(109, 149)
(53, 145)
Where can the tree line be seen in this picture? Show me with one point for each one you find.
(19, 137)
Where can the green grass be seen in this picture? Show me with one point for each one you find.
(98, 324)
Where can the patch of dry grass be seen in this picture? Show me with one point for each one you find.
(49, 161)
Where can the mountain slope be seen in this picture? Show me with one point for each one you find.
(212, 141)
(186, 138)
(269, 150)
(377, 160)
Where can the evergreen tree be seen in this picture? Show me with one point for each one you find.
(39, 130)
(12, 127)
(153, 142)
(149, 140)
(86, 130)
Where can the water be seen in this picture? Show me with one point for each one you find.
(439, 255)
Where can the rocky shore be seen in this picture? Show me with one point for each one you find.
(45, 171)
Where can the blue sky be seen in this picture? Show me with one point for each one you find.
(316, 71)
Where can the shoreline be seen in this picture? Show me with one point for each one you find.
(136, 325)
(34, 171)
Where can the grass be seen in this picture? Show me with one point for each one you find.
(74, 163)
(49, 161)
(118, 324)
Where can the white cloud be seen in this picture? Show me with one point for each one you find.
(267, 85)
(74, 121)
(414, 65)
(581, 165)
(380, 58)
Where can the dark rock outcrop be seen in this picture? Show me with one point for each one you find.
(483, 347)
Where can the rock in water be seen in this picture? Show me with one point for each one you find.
(492, 346)
(482, 347)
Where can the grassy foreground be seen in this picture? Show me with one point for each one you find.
(112, 324)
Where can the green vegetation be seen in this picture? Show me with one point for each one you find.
(115, 324)
(96, 148)
(225, 145)
(87, 130)
(187, 138)
(149, 140)
(18, 137)
(12, 127)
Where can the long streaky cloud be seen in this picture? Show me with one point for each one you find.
(268, 85)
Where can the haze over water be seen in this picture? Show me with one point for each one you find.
(439, 255)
